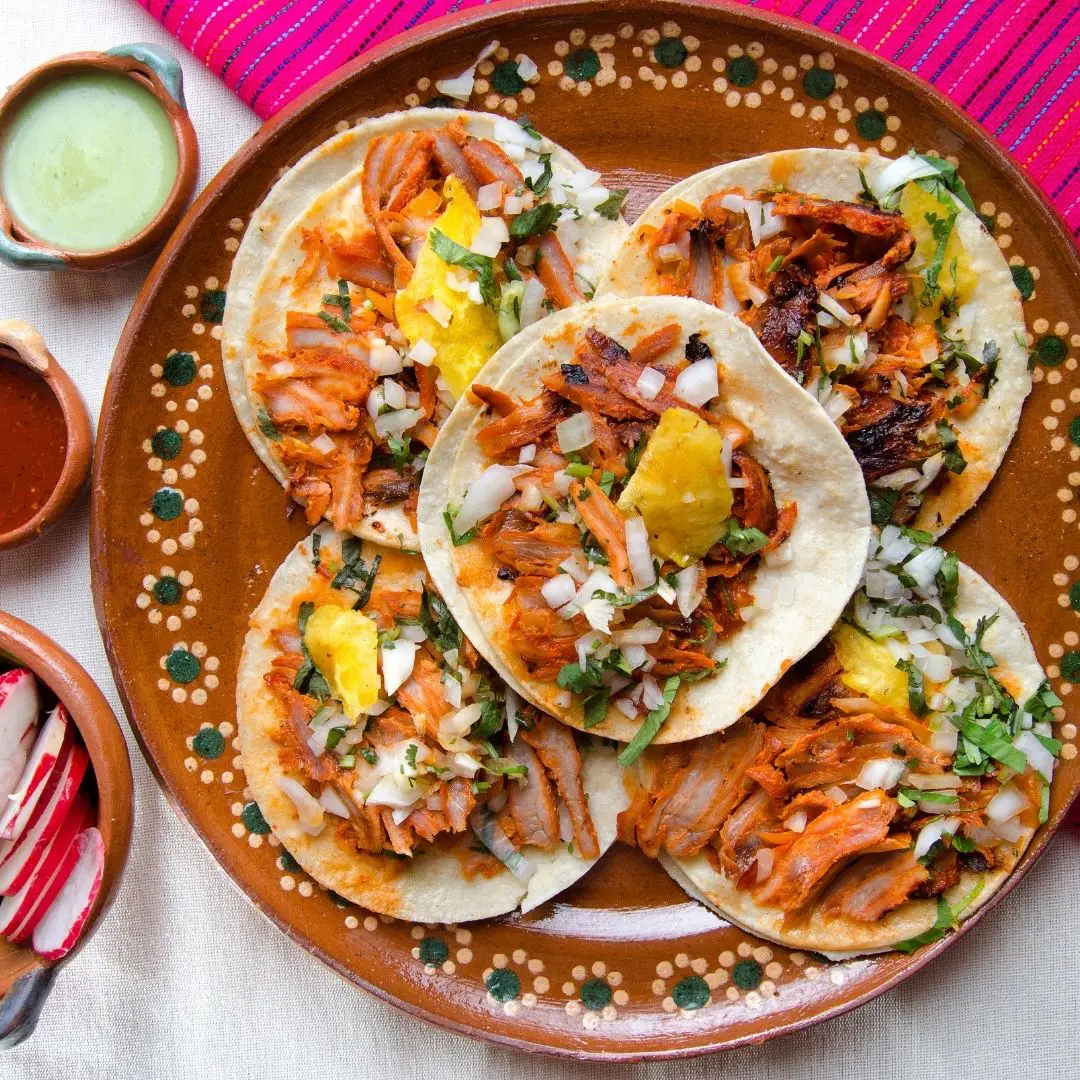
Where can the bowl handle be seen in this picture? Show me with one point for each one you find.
(21, 1006)
(161, 62)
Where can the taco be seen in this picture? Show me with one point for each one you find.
(885, 789)
(389, 290)
(874, 284)
(392, 763)
(640, 521)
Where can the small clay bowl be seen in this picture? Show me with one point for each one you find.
(158, 71)
(25, 979)
(22, 342)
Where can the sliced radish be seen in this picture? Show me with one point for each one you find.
(61, 925)
(45, 885)
(28, 851)
(16, 908)
(19, 707)
(11, 766)
(24, 798)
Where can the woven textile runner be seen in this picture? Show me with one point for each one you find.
(1014, 65)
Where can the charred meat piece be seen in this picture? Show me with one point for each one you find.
(889, 440)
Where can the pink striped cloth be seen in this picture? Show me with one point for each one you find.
(1014, 65)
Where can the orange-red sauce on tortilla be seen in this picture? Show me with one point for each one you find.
(33, 443)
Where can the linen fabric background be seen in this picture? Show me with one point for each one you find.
(185, 979)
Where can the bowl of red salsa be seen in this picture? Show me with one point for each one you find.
(45, 438)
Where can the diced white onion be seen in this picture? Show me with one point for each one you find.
(512, 205)
(899, 479)
(797, 822)
(397, 664)
(558, 590)
(932, 832)
(412, 632)
(532, 498)
(649, 383)
(333, 803)
(1010, 830)
(652, 697)
(643, 632)
(490, 196)
(588, 199)
(665, 592)
(394, 393)
(936, 667)
(1039, 758)
(900, 172)
(527, 454)
(669, 253)
(837, 794)
(638, 552)
(307, 806)
(390, 791)
(575, 432)
(437, 310)
(527, 68)
(574, 566)
(490, 236)
(733, 202)
(689, 590)
(626, 707)
(835, 309)
(1006, 804)
(765, 857)
(924, 566)
(881, 773)
(486, 494)
(385, 359)
(563, 699)
(945, 738)
(598, 613)
(836, 405)
(422, 353)
(324, 444)
(397, 422)
(698, 383)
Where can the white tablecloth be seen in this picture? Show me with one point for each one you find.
(185, 979)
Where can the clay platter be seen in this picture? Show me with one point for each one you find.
(188, 526)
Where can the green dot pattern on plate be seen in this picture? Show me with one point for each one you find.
(179, 369)
(439, 101)
(819, 83)
(208, 743)
(1070, 666)
(433, 951)
(747, 974)
(670, 52)
(166, 503)
(1051, 350)
(212, 305)
(1074, 596)
(183, 666)
(288, 863)
(506, 79)
(503, 984)
(1024, 280)
(166, 443)
(870, 124)
(582, 64)
(337, 898)
(595, 994)
(691, 992)
(167, 590)
(742, 71)
(1074, 431)
(254, 820)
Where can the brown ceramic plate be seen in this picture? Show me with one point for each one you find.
(188, 525)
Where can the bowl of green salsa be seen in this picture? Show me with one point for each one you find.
(98, 159)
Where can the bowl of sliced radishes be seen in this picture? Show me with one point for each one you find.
(65, 816)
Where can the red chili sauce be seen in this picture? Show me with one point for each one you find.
(33, 443)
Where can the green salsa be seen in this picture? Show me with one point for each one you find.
(88, 161)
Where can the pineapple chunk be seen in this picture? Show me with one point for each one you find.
(344, 646)
(680, 489)
(472, 336)
(869, 668)
(956, 276)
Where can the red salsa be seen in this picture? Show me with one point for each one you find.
(33, 443)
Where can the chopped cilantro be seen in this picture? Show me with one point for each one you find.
(535, 222)
(450, 251)
(651, 725)
(368, 755)
(775, 265)
(267, 426)
(916, 687)
(633, 458)
(953, 457)
(540, 185)
(945, 921)
(596, 706)
(866, 195)
(611, 206)
(941, 226)
(948, 581)
(354, 574)
(742, 541)
(338, 326)
(437, 622)
(457, 538)
(316, 542)
(607, 478)
(882, 505)
(526, 125)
